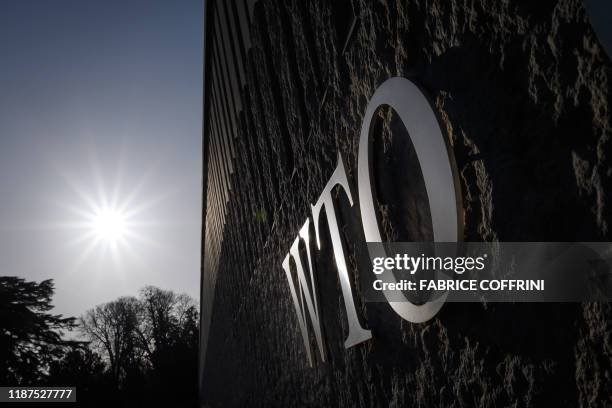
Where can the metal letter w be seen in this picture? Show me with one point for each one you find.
(306, 292)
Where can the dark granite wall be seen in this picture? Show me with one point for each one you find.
(522, 89)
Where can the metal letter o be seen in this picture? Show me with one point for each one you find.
(438, 171)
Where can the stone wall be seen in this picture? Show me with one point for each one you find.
(522, 91)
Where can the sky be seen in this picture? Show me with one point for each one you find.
(100, 146)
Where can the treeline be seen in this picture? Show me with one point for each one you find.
(133, 351)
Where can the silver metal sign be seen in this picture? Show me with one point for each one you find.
(357, 333)
(442, 188)
(438, 174)
(304, 294)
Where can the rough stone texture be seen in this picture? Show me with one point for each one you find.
(522, 89)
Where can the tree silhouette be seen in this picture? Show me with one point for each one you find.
(112, 330)
(141, 351)
(169, 326)
(84, 369)
(150, 345)
(30, 337)
(164, 316)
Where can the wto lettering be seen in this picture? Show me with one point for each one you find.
(439, 175)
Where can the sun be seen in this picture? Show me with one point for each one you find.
(109, 219)
(109, 225)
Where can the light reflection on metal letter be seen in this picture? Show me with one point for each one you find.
(440, 177)
(304, 294)
(357, 333)
(438, 171)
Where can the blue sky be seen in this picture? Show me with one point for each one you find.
(100, 110)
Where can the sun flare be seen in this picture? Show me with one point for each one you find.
(113, 218)
(109, 225)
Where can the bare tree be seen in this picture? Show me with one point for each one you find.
(163, 315)
(151, 341)
(113, 328)
(158, 320)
